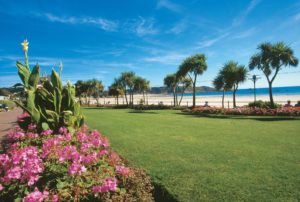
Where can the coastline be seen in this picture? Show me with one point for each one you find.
(213, 100)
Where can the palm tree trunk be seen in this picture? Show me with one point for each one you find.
(194, 93)
(271, 94)
(234, 103)
(126, 97)
(223, 98)
(174, 97)
(117, 100)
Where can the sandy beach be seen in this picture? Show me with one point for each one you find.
(200, 100)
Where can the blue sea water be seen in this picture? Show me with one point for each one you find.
(289, 90)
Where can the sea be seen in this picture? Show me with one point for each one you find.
(288, 90)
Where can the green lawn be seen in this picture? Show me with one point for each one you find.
(208, 158)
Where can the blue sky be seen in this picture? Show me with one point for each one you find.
(100, 39)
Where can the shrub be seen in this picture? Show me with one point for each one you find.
(69, 163)
(10, 104)
(283, 111)
(262, 104)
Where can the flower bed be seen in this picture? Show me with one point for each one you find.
(52, 156)
(284, 111)
(67, 166)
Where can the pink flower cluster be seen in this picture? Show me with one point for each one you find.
(122, 170)
(22, 164)
(90, 149)
(283, 111)
(21, 117)
(110, 184)
(36, 196)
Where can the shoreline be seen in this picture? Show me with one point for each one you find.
(213, 100)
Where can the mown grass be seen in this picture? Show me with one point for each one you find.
(213, 158)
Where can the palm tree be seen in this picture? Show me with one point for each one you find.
(234, 74)
(193, 66)
(270, 59)
(81, 89)
(183, 84)
(219, 84)
(127, 81)
(96, 89)
(116, 90)
(171, 82)
(141, 85)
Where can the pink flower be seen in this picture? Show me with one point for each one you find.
(63, 130)
(15, 135)
(122, 170)
(47, 132)
(68, 136)
(81, 137)
(68, 153)
(110, 184)
(31, 135)
(102, 153)
(55, 198)
(14, 173)
(1, 187)
(36, 196)
(21, 117)
(31, 126)
(75, 168)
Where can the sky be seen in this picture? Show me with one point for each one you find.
(100, 39)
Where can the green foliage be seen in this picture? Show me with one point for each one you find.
(263, 104)
(49, 103)
(10, 104)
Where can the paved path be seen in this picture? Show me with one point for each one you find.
(8, 120)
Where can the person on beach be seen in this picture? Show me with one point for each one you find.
(298, 104)
(288, 104)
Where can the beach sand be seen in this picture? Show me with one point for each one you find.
(200, 100)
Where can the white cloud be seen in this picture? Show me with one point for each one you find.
(297, 17)
(245, 34)
(104, 24)
(142, 26)
(240, 19)
(179, 27)
(210, 42)
(168, 58)
(168, 5)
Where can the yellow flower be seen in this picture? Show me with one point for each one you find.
(25, 45)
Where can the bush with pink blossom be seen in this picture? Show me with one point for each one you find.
(248, 111)
(43, 162)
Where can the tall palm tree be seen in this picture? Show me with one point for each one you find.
(141, 85)
(183, 84)
(270, 59)
(116, 90)
(234, 74)
(127, 81)
(192, 67)
(96, 89)
(219, 84)
(171, 82)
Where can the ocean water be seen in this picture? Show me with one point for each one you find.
(289, 90)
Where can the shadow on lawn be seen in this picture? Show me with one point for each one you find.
(162, 195)
(238, 117)
(141, 112)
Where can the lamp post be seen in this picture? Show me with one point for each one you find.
(254, 79)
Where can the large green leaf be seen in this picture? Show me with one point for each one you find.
(23, 72)
(57, 100)
(34, 77)
(55, 80)
(52, 116)
(35, 114)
